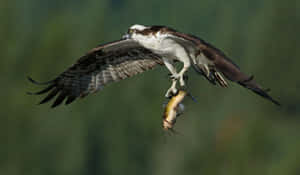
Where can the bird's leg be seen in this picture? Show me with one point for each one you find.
(172, 90)
(180, 75)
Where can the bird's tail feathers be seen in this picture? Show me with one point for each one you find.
(211, 75)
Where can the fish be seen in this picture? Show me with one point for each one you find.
(173, 109)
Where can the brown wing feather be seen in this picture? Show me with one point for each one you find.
(232, 72)
(102, 65)
(221, 63)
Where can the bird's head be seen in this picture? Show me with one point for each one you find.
(135, 29)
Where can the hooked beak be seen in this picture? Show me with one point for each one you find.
(126, 36)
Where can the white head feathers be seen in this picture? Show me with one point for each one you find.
(138, 27)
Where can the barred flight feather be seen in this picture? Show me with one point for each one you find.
(102, 65)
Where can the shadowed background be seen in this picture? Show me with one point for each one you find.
(118, 130)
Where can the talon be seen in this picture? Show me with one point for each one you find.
(171, 92)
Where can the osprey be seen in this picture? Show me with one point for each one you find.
(141, 49)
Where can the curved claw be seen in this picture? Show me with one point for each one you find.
(171, 92)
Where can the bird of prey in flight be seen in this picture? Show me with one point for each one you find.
(141, 49)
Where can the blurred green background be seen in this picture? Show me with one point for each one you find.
(118, 130)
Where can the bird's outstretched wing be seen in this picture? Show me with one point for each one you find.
(217, 64)
(104, 64)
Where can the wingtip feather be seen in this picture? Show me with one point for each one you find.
(276, 102)
(70, 99)
(38, 83)
(50, 96)
(252, 85)
(59, 99)
(42, 91)
(265, 94)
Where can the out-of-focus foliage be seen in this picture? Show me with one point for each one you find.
(118, 130)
